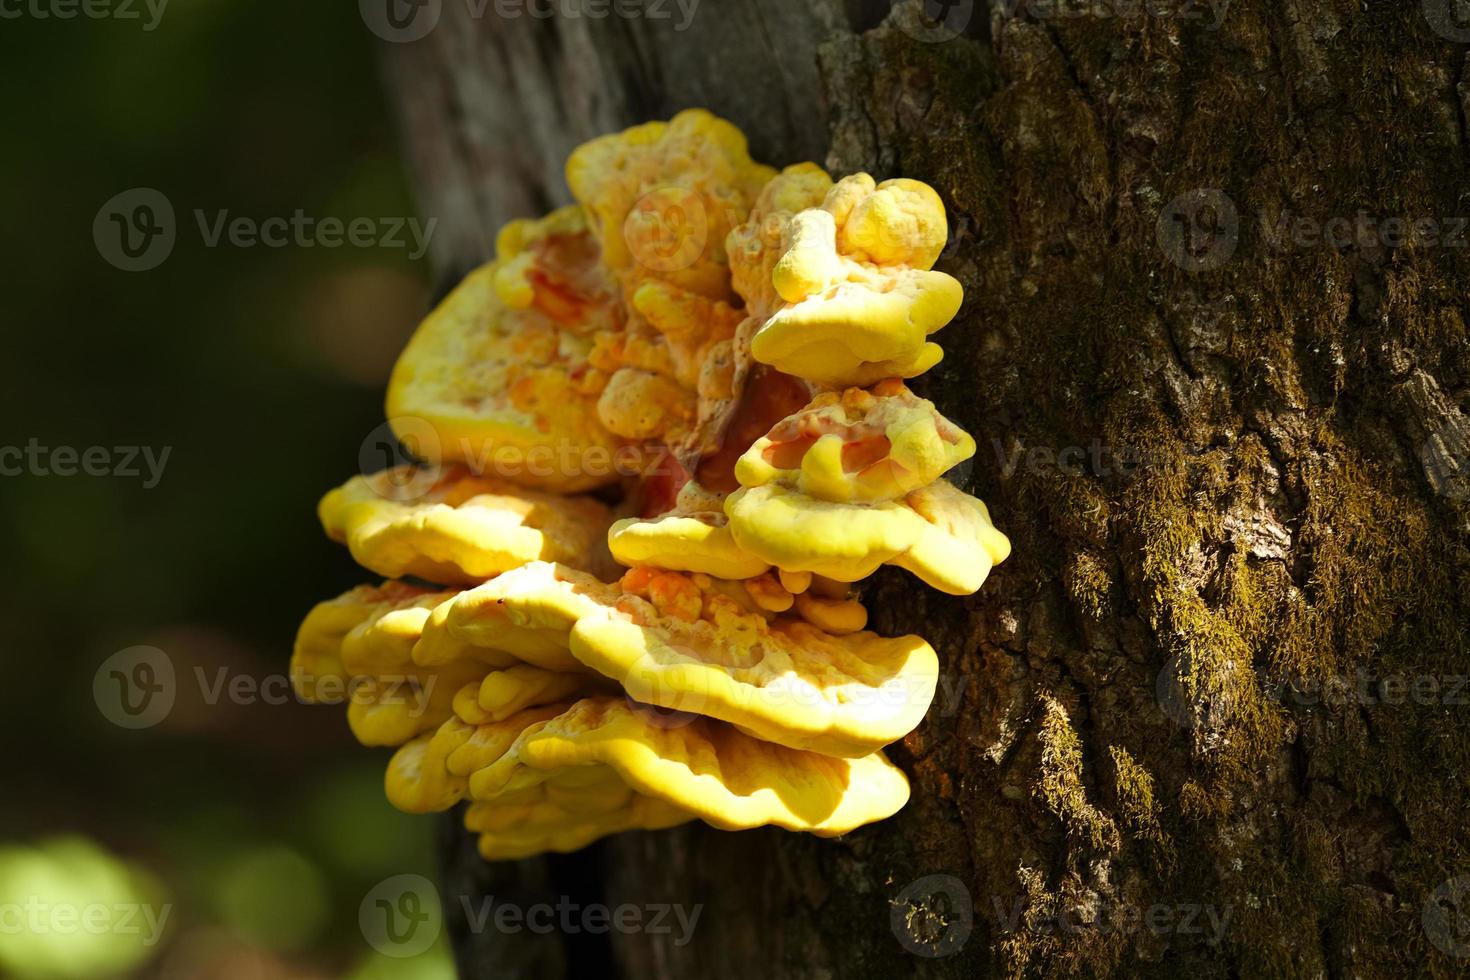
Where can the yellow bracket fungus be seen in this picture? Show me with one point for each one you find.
(663, 196)
(725, 778)
(497, 625)
(672, 370)
(566, 816)
(317, 671)
(939, 533)
(788, 682)
(661, 199)
(693, 537)
(724, 346)
(958, 545)
(461, 530)
(685, 643)
(358, 648)
(845, 287)
(500, 370)
(502, 693)
(568, 774)
(858, 445)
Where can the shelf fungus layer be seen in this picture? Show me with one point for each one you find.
(693, 537)
(701, 646)
(691, 644)
(498, 376)
(661, 198)
(461, 528)
(695, 371)
(939, 533)
(845, 286)
(858, 445)
(357, 649)
(317, 671)
(557, 817)
(600, 755)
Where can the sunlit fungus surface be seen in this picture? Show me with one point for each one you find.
(662, 438)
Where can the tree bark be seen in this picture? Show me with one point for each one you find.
(1208, 719)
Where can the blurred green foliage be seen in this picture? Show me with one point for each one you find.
(261, 370)
(69, 909)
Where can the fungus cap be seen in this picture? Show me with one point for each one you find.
(785, 682)
(497, 375)
(431, 773)
(672, 369)
(798, 533)
(418, 779)
(859, 332)
(723, 777)
(565, 813)
(393, 708)
(512, 831)
(506, 691)
(463, 529)
(692, 543)
(836, 616)
(938, 532)
(317, 672)
(858, 445)
(663, 196)
(959, 546)
(755, 247)
(899, 222)
(565, 774)
(692, 643)
(523, 616)
(363, 640)
(693, 537)
(844, 290)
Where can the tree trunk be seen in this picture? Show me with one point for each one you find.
(1210, 718)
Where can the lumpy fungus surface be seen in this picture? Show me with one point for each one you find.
(708, 358)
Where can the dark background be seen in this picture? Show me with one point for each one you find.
(261, 370)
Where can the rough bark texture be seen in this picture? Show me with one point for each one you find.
(1182, 693)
